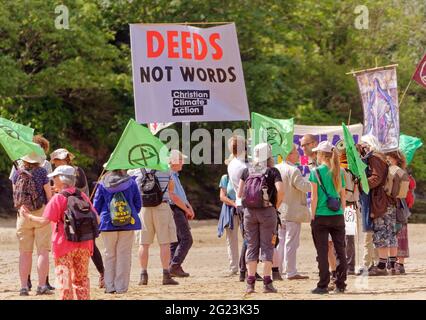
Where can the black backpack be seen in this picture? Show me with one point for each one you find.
(150, 188)
(80, 221)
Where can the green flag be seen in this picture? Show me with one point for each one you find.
(17, 130)
(278, 133)
(16, 147)
(355, 164)
(138, 148)
(408, 145)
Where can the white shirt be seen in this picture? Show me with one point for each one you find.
(235, 170)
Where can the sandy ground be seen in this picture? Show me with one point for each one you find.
(207, 263)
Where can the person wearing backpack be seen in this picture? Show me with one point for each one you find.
(382, 210)
(118, 202)
(261, 191)
(328, 199)
(157, 219)
(402, 186)
(74, 224)
(61, 157)
(31, 192)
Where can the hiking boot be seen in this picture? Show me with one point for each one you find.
(102, 281)
(258, 277)
(177, 271)
(144, 279)
(320, 291)
(24, 292)
(48, 285)
(168, 280)
(298, 277)
(401, 269)
(374, 272)
(339, 290)
(242, 276)
(44, 290)
(393, 272)
(250, 288)
(29, 284)
(276, 276)
(269, 288)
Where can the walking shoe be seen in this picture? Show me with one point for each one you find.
(393, 272)
(377, 272)
(43, 290)
(319, 291)
(48, 285)
(168, 280)
(242, 276)
(258, 277)
(29, 284)
(101, 281)
(400, 269)
(339, 290)
(276, 276)
(144, 279)
(231, 274)
(298, 277)
(110, 292)
(24, 292)
(250, 288)
(177, 271)
(269, 288)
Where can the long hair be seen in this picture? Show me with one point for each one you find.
(332, 160)
(399, 157)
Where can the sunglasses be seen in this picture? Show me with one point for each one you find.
(306, 144)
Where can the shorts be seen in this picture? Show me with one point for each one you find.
(29, 232)
(384, 229)
(157, 221)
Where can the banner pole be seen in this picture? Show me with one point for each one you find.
(405, 91)
(96, 185)
(349, 119)
(372, 69)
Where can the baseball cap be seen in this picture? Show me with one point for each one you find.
(61, 154)
(262, 152)
(62, 171)
(324, 146)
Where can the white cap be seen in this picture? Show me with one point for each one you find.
(62, 171)
(324, 146)
(176, 155)
(61, 154)
(371, 141)
(262, 152)
(33, 158)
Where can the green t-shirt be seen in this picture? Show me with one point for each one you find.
(327, 181)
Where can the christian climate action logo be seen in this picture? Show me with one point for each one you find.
(142, 153)
(189, 102)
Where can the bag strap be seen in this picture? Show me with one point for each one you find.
(318, 175)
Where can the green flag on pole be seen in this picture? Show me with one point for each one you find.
(355, 164)
(278, 133)
(17, 130)
(408, 146)
(138, 148)
(16, 147)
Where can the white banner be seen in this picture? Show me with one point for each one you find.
(330, 133)
(183, 73)
(350, 221)
(158, 126)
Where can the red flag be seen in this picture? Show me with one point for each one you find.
(420, 74)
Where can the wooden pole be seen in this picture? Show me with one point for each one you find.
(405, 91)
(349, 119)
(373, 69)
(96, 185)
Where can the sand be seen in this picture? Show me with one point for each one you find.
(207, 263)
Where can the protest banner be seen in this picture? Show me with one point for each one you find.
(156, 127)
(184, 73)
(420, 73)
(379, 94)
(350, 221)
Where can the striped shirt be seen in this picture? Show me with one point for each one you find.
(163, 179)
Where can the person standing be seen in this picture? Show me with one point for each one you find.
(182, 212)
(118, 202)
(294, 209)
(61, 157)
(328, 197)
(31, 192)
(262, 188)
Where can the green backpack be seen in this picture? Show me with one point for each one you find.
(120, 211)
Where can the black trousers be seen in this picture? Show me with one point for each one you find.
(243, 266)
(350, 252)
(97, 259)
(322, 226)
(180, 249)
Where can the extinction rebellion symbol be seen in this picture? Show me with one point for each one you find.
(274, 136)
(141, 153)
(10, 132)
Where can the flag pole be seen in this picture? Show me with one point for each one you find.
(372, 69)
(96, 185)
(349, 119)
(405, 91)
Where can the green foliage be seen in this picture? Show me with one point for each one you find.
(75, 86)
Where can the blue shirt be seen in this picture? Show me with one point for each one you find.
(178, 187)
(226, 184)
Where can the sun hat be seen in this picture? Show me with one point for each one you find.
(33, 158)
(262, 152)
(61, 154)
(324, 146)
(62, 171)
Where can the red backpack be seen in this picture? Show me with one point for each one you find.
(25, 192)
(410, 195)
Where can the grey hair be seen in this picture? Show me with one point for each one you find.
(68, 181)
